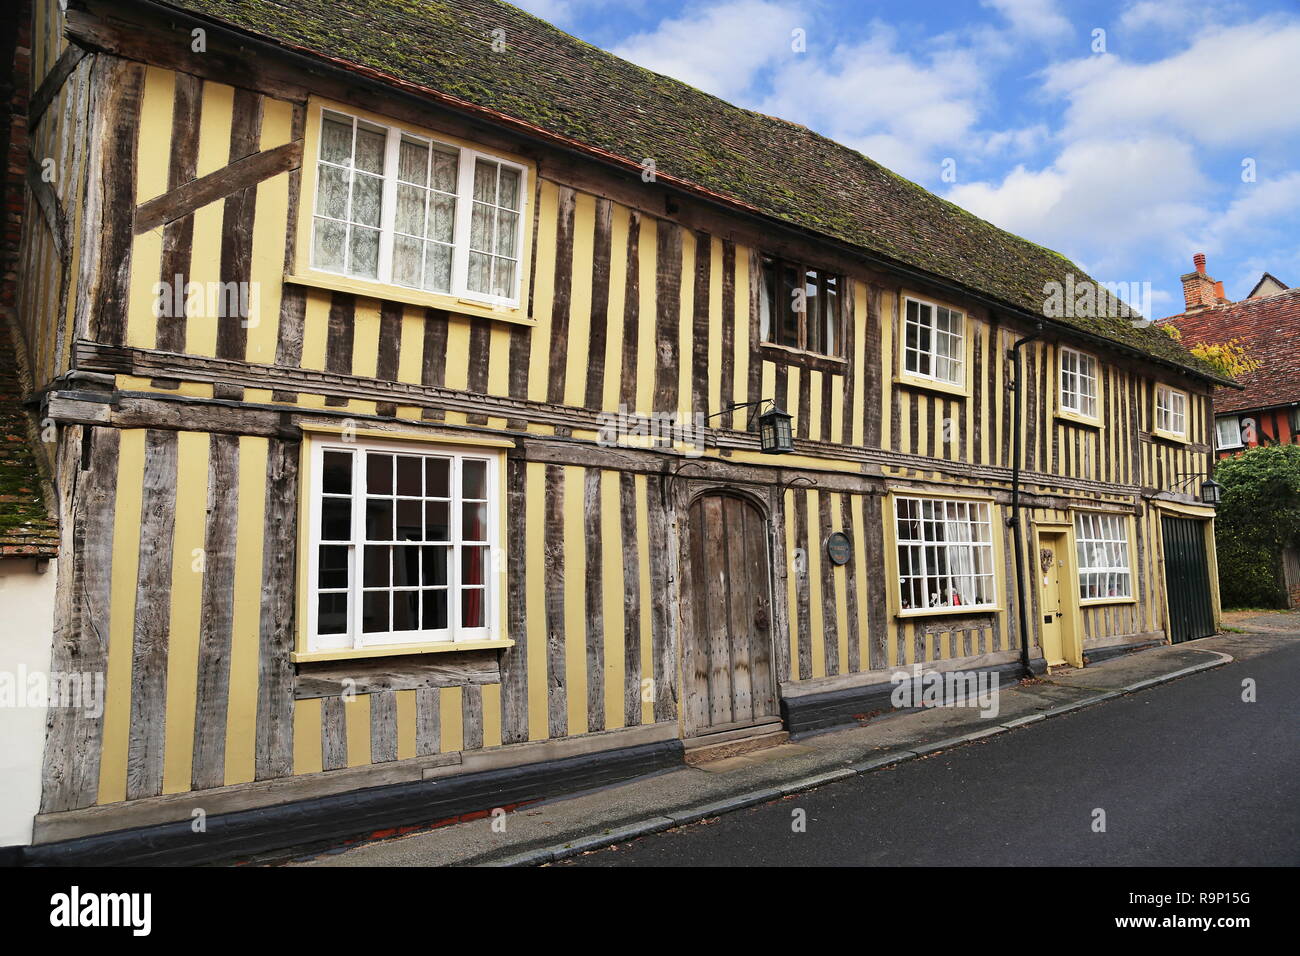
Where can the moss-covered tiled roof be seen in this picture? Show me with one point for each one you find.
(569, 88)
(26, 527)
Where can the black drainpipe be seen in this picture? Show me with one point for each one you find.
(1014, 520)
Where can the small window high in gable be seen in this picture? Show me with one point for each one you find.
(393, 207)
(1227, 431)
(800, 308)
(934, 342)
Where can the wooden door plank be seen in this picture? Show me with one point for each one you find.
(716, 590)
(739, 522)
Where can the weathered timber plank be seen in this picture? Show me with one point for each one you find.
(594, 600)
(274, 747)
(553, 569)
(599, 324)
(562, 297)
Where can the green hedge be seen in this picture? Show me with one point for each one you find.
(1258, 516)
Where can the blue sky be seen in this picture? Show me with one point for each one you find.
(1127, 151)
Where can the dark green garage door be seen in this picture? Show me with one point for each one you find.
(1187, 580)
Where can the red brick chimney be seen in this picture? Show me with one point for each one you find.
(1199, 290)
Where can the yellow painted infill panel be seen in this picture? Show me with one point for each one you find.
(155, 122)
(790, 400)
(577, 356)
(813, 557)
(451, 719)
(214, 127)
(716, 322)
(315, 330)
(498, 361)
(861, 333)
(866, 612)
(365, 338)
(614, 329)
(740, 318)
(258, 396)
(186, 609)
(837, 407)
(410, 356)
(266, 267)
(535, 587)
(643, 565)
(791, 597)
(543, 290)
(647, 260)
(121, 620)
(814, 403)
(685, 326)
(405, 724)
(277, 123)
(611, 537)
(575, 595)
(491, 715)
(356, 719)
(905, 403)
(307, 736)
(241, 712)
(205, 271)
(143, 298)
(457, 372)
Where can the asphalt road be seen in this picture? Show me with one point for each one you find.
(1186, 773)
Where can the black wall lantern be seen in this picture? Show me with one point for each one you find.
(775, 435)
(1211, 492)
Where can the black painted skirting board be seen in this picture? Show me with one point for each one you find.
(838, 708)
(333, 819)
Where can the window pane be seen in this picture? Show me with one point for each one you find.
(406, 611)
(378, 573)
(407, 261)
(436, 477)
(473, 479)
(413, 162)
(437, 269)
(507, 228)
(435, 610)
(473, 565)
(503, 279)
(379, 474)
(509, 186)
(406, 566)
(374, 611)
(479, 272)
(437, 521)
(410, 519)
(473, 525)
(485, 181)
(332, 192)
(367, 197)
(409, 217)
(480, 228)
(471, 607)
(409, 472)
(328, 244)
(370, 150)
(336, 477)
(446, 168)
(379, 519)
(363, 259)
(336, 519)
(332, 614)
(442, 213)
(332, 567)
(435, 566)
(336, 142)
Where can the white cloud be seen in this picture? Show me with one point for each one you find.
(1039, 19)
(1232, 85)
(1103, 202)
(720, 49)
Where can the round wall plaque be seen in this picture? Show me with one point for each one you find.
(839, 548)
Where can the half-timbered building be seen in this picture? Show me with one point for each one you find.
(408, 361)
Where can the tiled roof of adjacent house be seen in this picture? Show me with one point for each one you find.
(26, 526)
(1269, 328)
(587, 97)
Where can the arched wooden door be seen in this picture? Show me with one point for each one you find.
(728, 668)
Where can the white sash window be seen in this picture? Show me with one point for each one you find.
(1102, 541)
(945, 553)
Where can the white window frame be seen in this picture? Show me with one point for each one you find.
(1235, 422)
(985, 544)
(454, 633)
(467, 162)
(1167, 398)
(1106, 534)
(1084, 374)
(959, 359)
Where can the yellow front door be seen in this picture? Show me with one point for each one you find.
(1050, 548)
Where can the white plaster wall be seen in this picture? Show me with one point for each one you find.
(26, 641)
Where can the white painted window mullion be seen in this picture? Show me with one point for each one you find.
(388, 208)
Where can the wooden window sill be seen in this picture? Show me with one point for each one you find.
(948, 611)
(775, 352)
(1170, 436)
(1072, 419)
(931, 385)
(394, 650)
(1097, 602)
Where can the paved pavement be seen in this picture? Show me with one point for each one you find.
(568, 826)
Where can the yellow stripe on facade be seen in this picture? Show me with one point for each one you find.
(578, 356)
(619, 224)
(266, 267)
(740, 340)
(241, 713)
(575, 596)
(205, 270)
(535, 551)
(498, 366)
(647, 260)
(121, 617)
(307, 736)
(156, 101)
(215, 118)
(410, 356)
(612, 599)
(543, 291)
(865, 610)
(143, 296)
(365, 338)
(814, 403)
(186, 609)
